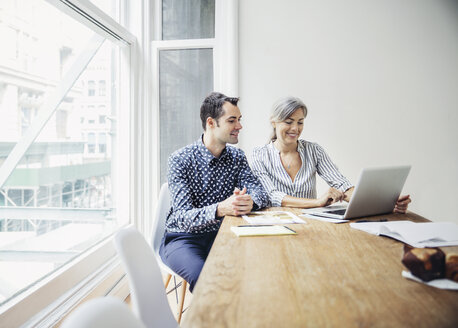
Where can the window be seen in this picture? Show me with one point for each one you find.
(90, 88)
(185, 78)
(91, 143)
(102, 88)
(194, 55)
(188, 20)
(102, 143)
(56, 203)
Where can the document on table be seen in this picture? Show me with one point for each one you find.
(261, 230)
(438, 283)
(272, 217)
(422, 234)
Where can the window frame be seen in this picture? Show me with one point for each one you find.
(225, 64)
(97, 270)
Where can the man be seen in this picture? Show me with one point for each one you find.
(207, 181)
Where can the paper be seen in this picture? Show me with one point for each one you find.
(267, 230)
(321, 218)
(438, 283)
(422, 234)
(272, 217)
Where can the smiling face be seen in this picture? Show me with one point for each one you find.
(290, 130)
(227, 127)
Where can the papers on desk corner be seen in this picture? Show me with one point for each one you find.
(272, 217)
(261, 230)
(422, 234)
(438, 283)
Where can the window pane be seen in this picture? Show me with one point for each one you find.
(191, 19)
(185, 78)
(110, 7)
(58, 200)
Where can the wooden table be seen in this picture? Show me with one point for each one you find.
(328, 275)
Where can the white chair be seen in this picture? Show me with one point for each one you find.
(149, 300)
(102, 312)
(162, 209)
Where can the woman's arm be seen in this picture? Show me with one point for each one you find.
(348, 193)
(291, 201)
(263, 173)
(331, 196)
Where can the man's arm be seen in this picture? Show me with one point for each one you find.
(238, 204)
(185, 215)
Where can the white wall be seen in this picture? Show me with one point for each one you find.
(380, 79)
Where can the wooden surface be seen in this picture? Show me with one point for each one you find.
(327, 275)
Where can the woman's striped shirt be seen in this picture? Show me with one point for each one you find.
(267, 166)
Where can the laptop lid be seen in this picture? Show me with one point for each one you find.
(377, 191)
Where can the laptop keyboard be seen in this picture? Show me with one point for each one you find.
(338, 212)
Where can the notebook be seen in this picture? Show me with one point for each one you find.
(376, 193)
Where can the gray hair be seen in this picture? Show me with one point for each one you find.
(283, 109)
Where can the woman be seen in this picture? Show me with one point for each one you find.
(287, 166)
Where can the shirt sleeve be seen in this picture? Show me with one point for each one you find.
(254, 188)
(260, 170)
(327, 170)
(185, 216)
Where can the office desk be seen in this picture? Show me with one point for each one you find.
(327, 275)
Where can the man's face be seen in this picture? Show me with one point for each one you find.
(228, 126)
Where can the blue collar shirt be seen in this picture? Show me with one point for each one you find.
(198, 181)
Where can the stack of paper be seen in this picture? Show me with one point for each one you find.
(427, 234)
(261, 230)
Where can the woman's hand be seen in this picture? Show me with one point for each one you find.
(331, 196)
(402, 204)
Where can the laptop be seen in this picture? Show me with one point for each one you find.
(376, 193)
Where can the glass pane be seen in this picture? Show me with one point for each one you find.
(110, 7)
(58, 200)
(191, 19)
(185, 79)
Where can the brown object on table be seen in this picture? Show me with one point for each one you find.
(425, 263)
(451, 267)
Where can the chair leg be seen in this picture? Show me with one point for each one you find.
(167, 280)
(184, 285)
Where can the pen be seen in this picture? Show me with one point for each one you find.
(255, 225)
(290, 229)
(381, 220)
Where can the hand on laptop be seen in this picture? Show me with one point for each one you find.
(402, 204)
(331, 196)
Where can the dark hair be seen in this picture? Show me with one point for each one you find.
(213, 107)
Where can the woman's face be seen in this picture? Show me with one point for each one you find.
(290, 129)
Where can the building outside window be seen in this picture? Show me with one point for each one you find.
(56, 202)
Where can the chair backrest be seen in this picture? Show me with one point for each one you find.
(148, 296)
(102, 312)
(162, 209)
